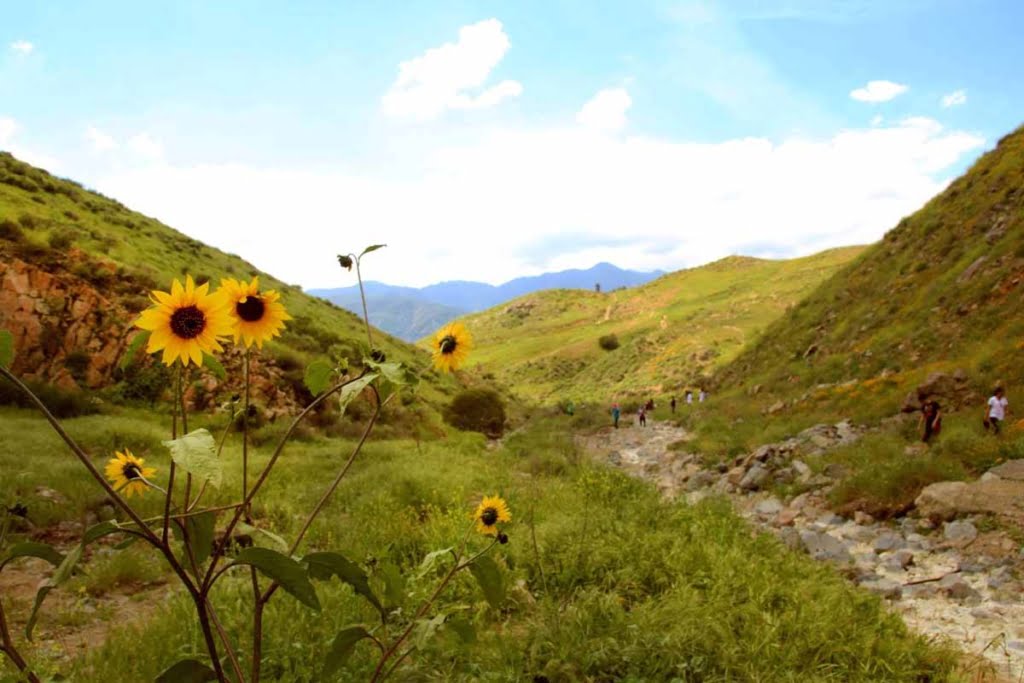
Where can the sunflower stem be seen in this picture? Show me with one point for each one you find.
(362, 295)
(8, 648)
(171, 472)
(245, 437)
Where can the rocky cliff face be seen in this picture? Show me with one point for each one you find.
(73, 333)
(65, 330)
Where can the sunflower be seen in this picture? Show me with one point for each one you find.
(185, 323)
(126, 473)
(492, 509)
(255, 316)
(452, 344)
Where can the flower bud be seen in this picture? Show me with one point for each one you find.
(345, 262)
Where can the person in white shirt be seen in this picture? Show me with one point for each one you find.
(995, 411)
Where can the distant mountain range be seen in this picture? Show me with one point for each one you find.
(410, 313)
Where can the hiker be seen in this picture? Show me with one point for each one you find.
(995, 411)
(703, 395)
(931, 420)
(570, 408)
(642, 416)
(616, 413)
(689, 397)
(672, 404)
(650, 404)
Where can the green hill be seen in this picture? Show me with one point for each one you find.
(671, 333)
(941, 292)
(76, 267)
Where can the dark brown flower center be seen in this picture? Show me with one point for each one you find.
(489, 516)
(448, 344)
(188, 322)
(250, 310)
(130, 471)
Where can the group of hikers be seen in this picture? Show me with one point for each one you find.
(996, 409)
(648, 406)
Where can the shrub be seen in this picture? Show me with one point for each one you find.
(61, 240)
(608, 342)
(61, 402)
(477, 410)
(10, 231)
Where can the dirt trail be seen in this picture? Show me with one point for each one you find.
(976, 601)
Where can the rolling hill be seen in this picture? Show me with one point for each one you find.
(941, 295)
(76, 268)
(410, 313)
(671, 333)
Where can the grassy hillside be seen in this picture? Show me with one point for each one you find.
(943, 290)
(670, 332)
(89, 239)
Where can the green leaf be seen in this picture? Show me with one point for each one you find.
(6, 349)
(28, 549)
(463, 629)
(64, 571)
(132, 351)
(187, 671)
(196, 452)
(200, 535)
(372, 247)
(255, 531)
(290, 574)
(396, 373)
(489, 577)
(431, 559)
(425, 630)
(98, 531)
(394, 584)
(318, 376)
(341, 648)
(214, 366)
(323, 566)
(353, 389)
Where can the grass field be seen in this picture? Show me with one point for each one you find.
(620, 585)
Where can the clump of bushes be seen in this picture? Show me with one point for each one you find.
(477, 410)
(61, 402)
(608, 342)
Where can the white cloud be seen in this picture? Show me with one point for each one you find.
(8, 127)
(488, 209)
(878, 91)
(606, 111)
(954, 99)
(876, 120)
(100, 141)
(9, 130)
(22, 47)
(451, 76)
(145, 146)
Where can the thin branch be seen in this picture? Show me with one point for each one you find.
(362, 295)
(232, 657)
(245, 435)
(8, 648)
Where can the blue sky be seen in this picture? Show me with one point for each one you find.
(487, 140)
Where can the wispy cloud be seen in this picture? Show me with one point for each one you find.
(22, 47)
(146, 146)
(878, 91)
(954, 99)
(452, 76)
(605, 111)
(100, 141)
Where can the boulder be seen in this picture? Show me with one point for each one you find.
(755, 478)
(946, 500)
(1011, 469)
(768, 508)
(888, 541)
(887, 588)
(824, 547)
(701, 480)
(954, 587)
(960, 532)
(899, 560)
(735, 475)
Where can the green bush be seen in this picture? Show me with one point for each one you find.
(608, 342)
(477, 410)
(60, 402)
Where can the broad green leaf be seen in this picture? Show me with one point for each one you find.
(6, 349)
(394, 584)
(214, 366)
(431, 559)
(131, 352)
(283, 569)
(255, 531)
(341, 648)
(126, 543)
(196, 452)
(462, 628)
(323, 566)
(396, 373)
(425, 630)
(29, 549)
(200, 535)
(98, 531)
(353, 389)
(64, 571)
(187, 671)
(318, 376)
(489, 577)
(372, 247)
